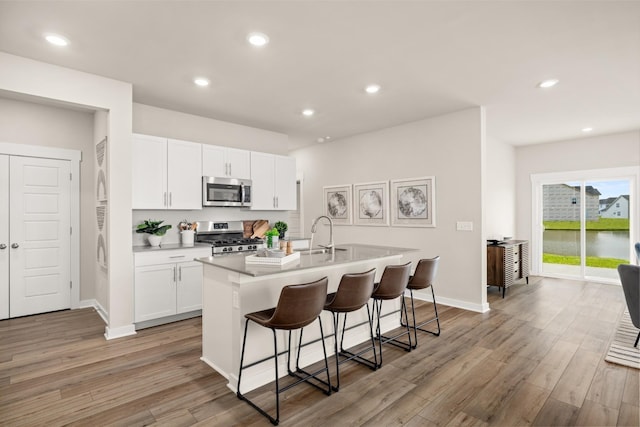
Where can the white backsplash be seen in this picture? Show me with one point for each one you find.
(206, 214)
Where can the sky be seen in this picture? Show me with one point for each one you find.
(608, 188)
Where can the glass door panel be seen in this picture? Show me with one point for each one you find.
(607, 238)
(561, 217)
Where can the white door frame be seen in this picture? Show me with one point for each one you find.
(73, 156)
(631, 173)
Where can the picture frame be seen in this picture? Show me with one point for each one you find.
(413, 202)
(371, 204)
(337, 203)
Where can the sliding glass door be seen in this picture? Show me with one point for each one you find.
(583, 227)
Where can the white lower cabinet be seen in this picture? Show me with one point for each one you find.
(168, 283)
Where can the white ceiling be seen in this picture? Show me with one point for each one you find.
(430, 57)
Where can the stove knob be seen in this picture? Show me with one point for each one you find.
(239, 248)
(225, 249)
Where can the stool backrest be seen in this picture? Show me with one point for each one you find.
(425, 273)
(353, 292)
(299, 305)
(393, 281)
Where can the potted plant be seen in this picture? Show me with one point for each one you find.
(154, 230)
(282, 228)
(270, 235)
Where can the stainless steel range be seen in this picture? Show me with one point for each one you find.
(226, 237)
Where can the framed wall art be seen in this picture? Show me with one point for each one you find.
(337, 203)
(413, 202)
(371, 203)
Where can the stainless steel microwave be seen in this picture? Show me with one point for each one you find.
(226, 192)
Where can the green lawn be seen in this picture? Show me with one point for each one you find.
(591, 261)
(608, 224)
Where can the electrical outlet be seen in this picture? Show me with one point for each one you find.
(464, 226)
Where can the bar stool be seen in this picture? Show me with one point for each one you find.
(298, 306)
(392, 285)
(423, 278)
(353, 293)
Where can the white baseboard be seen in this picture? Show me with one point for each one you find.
(451, 302)
(122, 331)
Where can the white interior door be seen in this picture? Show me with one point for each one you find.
(4, 237)
(40, 243)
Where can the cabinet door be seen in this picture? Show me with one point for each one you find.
(262, 181)
(184, 170)
(155, 292)
(189, 288)
(4, 237)
(213, 161)
(149, 174)
(285, 183)
(239, 163)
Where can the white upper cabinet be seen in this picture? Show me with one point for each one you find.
(225, 162)
(166, 173)
(273, 180)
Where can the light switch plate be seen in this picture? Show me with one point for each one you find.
(464, 226)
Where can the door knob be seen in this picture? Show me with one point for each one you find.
(3, 246)
(15, 245)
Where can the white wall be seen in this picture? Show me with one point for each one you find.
(173, 124)
(38, 79)
(598, 152)
(450, 147)
(500, 192)
(60, 128)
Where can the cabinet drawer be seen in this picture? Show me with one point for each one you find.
(169, 256)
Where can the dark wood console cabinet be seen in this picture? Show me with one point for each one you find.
(507, 262)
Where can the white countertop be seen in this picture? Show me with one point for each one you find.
(343, 254)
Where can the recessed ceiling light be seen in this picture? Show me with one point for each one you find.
(56, 39)
(548, 83)
(308, 112)
(201, 81)
(321, 139)
(587, 129)
(258, 39)
(372, 89)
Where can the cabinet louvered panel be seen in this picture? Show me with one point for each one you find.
(507, 263)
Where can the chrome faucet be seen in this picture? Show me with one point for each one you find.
(314, 227)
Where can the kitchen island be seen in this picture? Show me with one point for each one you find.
(233, 288)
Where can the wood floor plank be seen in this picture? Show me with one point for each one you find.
(556, 413)
(575, 381)
(548, 372)
(595, 414)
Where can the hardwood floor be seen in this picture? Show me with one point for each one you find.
(537, 358)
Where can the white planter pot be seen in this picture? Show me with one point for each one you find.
(154, 240)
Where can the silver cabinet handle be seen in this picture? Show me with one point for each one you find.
(179, 274)
(3, 246)
(174, 274)
(170, 199)
(165, 199)
(229, 169)
(15, 246)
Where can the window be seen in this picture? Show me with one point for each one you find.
(574, 200)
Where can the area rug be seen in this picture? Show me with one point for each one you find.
(621, 350)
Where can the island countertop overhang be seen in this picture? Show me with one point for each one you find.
(344, 254)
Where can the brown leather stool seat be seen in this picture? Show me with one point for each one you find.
(423, 278)
(298, 306)
(391, 286)
(354, 292)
